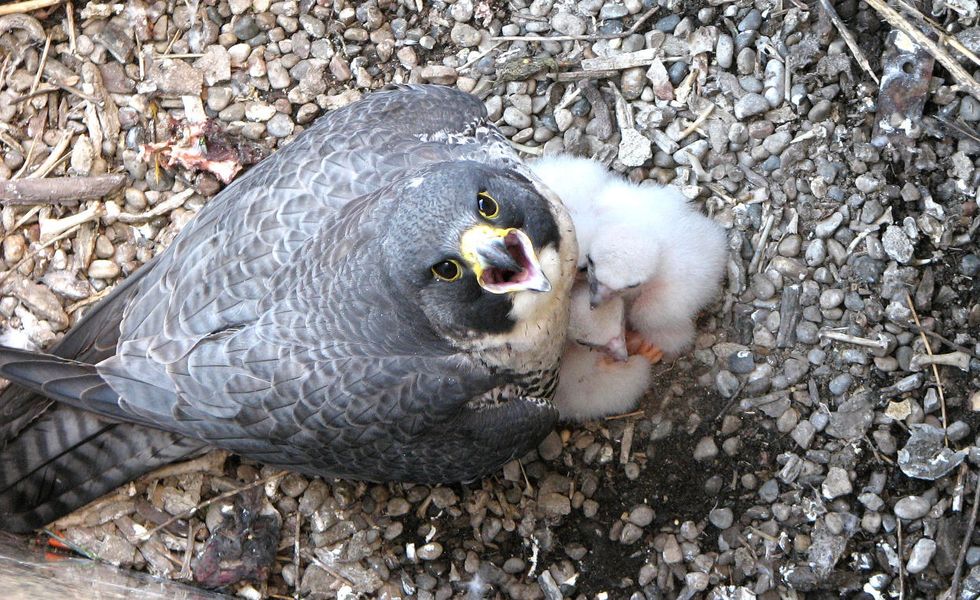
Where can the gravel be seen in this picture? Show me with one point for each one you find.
(776, 459)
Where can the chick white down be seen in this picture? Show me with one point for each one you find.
(666, 258)
(591, 382)
(578, 182)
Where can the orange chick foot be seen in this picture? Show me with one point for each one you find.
(637, 346)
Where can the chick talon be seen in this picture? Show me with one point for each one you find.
(637, 346)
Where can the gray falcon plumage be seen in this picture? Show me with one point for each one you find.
(298, 320)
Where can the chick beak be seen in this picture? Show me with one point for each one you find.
(503, 260)
(598, 292)
(616, 349)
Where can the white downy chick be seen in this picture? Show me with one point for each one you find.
(578, 182)
(597, 378)
(662, 255)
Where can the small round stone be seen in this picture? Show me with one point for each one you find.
(722, 518)
(912, 507)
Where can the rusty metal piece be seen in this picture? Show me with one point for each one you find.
(906, 73)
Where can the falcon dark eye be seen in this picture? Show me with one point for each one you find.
(489, 208)
(447, 270)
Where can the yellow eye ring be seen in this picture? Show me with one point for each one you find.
(447, 270)
(488, 207)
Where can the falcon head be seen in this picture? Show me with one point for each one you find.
(479, 247)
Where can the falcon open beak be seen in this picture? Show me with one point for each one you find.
(503, 260)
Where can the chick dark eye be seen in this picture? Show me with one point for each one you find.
(447, 270)
(489, 208)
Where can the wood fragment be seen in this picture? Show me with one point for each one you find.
(56, 153)
(26, 6)
(940, 33)
(188, 513)
(59, 190)
(935, 369)
(627, 444)
(697, 122)
(579, 38)
(954, 588)
(790, 310)
(627, 60)
(567, 76)
(848, 39)
(965, 81)
(171, 203)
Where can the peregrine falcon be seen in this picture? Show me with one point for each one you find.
(383, 299)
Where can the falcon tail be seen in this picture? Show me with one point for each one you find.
(55, 457)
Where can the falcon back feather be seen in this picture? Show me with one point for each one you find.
(300, 354)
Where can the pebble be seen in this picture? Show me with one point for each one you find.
(641, 516)
(912, 507)
(897, 244)
(280, 125)
(750, 105)
(430, 551)
(464, 35)
(722, 518)
(706, 449)
(568, 24)
(921, 555)
(836, 483)
(103, 269)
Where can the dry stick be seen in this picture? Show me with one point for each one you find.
(26, 6)
(848, 38)
(901, 563)
(53, 158)
(948, 342)
(579, 38)
(190, 512)
(58, 190)
(943, 36)
(296, 556)
(935, 368)
(70, 15)
(33, 253)
(697, 122)
(958, 573)
(41, 63)
(966, 81)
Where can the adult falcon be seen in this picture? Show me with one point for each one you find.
(384, 299)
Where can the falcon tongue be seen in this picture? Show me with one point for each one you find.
(503, 260)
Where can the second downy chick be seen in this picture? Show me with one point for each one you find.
(597, 378)
(661, 255)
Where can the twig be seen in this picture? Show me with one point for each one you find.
(53, 158)
(33, 253)
(635, 413)
(296, 555)
(943, 36)
(627, 443)
(70, 16)
(190, 512)
(477, 56)
(947, 341)
(901, 563)
(58, 190)
(848, 38)
(756, 262)
(697, 122)
(532, 150)
(579, 38)
(965, 81)
(171, 203)
(971, 527)
(41, 63)
(71, 546)
(935, 369)
(26, 6)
